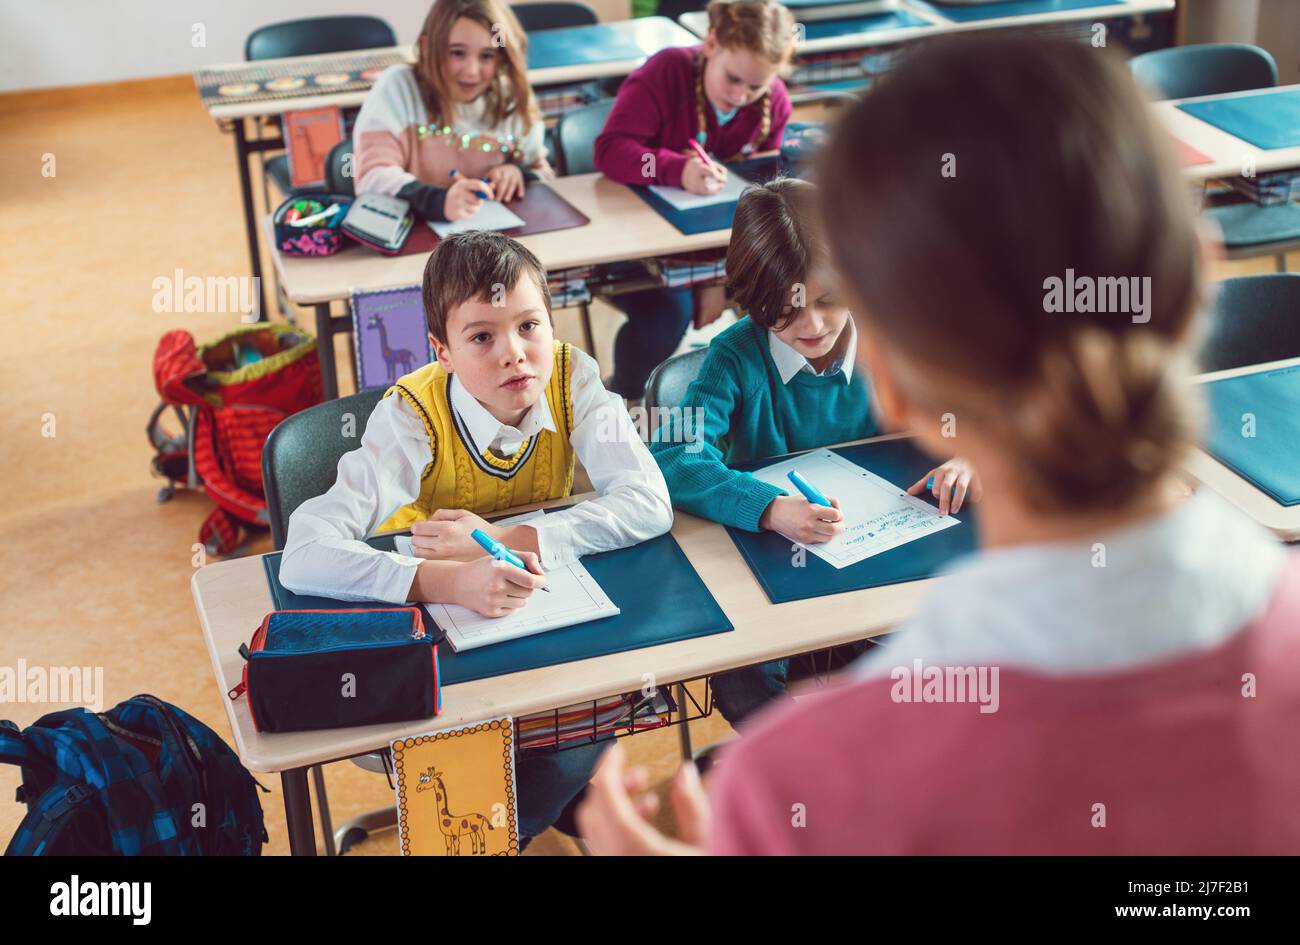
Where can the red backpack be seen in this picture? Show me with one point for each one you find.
(229, 394)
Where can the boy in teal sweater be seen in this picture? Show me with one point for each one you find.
(781, 380)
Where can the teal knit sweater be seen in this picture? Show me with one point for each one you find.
(738, 410)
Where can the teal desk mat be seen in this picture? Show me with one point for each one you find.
(719, 215)
(1268, 121)
(1270, 460)
(825, 29)
(900, 462)
(660, 594)
(604, 42)
(1011, 8)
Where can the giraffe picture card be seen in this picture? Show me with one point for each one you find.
(456, 791)
(391, 337)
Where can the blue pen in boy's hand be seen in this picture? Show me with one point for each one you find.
(499, 551)
(929, 483)
(809, 491)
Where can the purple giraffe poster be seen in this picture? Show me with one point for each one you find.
(390, 333)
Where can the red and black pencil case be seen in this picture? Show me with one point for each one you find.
(313, 669)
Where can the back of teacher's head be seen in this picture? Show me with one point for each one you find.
(1021, 253)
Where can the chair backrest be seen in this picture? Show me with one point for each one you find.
(575, 136)
(318, 34)
(1255, 319)
(1205, 69)
(301, 456)
(667, 384)
(552, 16)
(336, 162)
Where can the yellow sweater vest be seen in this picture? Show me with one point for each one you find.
(458, 477)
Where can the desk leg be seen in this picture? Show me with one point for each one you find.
(297, 812)
(329, 379)
(684, 729)
(250, 221)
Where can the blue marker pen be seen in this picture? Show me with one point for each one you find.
(499, 551)
(809, 492)
(481, 194)
(929, 483)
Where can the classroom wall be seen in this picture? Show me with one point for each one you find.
(79, 42)
(1273, 24)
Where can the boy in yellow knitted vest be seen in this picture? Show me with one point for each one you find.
(496, 421)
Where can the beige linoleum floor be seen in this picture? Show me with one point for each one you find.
(93, 570)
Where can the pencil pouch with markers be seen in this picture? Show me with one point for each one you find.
(314, 669)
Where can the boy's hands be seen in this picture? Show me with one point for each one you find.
(495, 588)
(463, 200)
(446, 536)
(701, 178)
(953, 482)
(797, 518)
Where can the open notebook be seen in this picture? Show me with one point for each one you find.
(878, 515)
(574, 597)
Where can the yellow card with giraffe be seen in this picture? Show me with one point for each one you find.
(456, 791)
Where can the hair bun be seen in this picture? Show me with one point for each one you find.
(1108, 412)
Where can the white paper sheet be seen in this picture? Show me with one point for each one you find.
(574, 597)
(492, 215)
(682, 199)
(878, 515)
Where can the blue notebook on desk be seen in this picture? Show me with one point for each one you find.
(994, 11)
(1266, 120)
(717, 216)
(1269, 460)
(660, 594)
(770, 558)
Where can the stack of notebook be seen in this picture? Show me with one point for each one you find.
(633, 712)
(690, 269)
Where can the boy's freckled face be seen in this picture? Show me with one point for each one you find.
(816, 327)
(502, 354)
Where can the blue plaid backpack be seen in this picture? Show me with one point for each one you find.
(141, 778)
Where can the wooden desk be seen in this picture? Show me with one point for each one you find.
(1228, 154)
(232, 597)
(622, 227)
(1281, 520)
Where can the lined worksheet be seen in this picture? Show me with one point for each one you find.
(682, 199)
(491, 215)
(572, 597)
(878, 515)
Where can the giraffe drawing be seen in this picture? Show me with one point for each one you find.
(455, 826)
(397, 362)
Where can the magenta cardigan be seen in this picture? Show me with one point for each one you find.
(655, 114)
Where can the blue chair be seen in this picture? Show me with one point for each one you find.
(300, 461)
(575, 137)
(1254, 319)
(666, 386)
(313, 36)
(552, 16)
(1217, 69)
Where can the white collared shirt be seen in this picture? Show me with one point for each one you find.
(326, 556)
(790, 362)
(1183, 582)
